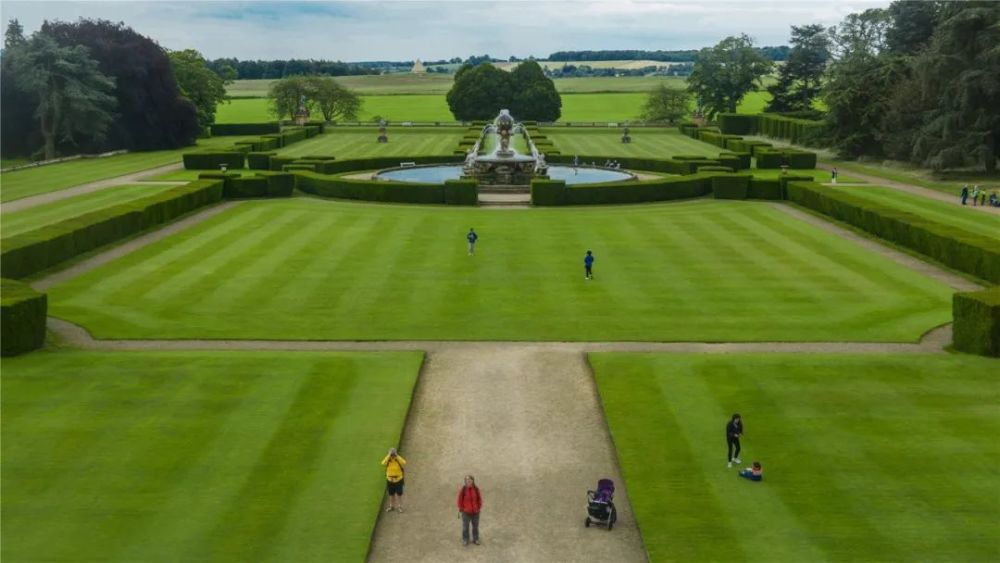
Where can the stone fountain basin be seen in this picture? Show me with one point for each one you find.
(438, 173)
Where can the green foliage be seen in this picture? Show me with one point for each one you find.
(737, 123)
(794, 159)
(227, 129)
(22, 318)
(461, 192)
(259, 160)
(246, 187)
(213, 160)
(198, 83)
(959, 249)
(800, 78)
(71, 97)
(546, 193)
(279, 184)
(34, 251)
(794, 130)
(977, 322)
(665, 104)
(724, 74)
(555, 192)
(764, 189)
(371, 190)
(480, 92)
(318, 94)
(730, 186)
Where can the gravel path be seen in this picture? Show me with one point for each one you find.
(133, 178)
(131, 246)
(908, 188)
(527, 422)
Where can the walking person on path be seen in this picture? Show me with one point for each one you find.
(472, 237)
(394, 463)
(965, 193)
(975, 195)
(833, 176)
(734, 429)
(470, 502)
(588, 266)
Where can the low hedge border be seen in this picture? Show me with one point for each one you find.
(233, 129)
(977, 322)
(453, 193)
(768, 158)
(556, 192)
(240, 153)
(33, 251)
(954, 247)
(22, 318)
(730, 186)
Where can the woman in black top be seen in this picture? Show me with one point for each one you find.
(733, 432)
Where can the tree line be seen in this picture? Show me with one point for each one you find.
(94, 85)
(681, 56)
(915, 82)
(258, 69)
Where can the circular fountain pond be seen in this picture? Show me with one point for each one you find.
(436, 174)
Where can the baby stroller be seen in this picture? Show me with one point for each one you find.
(600, 505)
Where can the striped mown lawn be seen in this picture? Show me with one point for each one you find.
(866, 458)
(198, 456)
(317, 269)
(353, 142)
(607, 141)
(46, 214)
(54, 177)
(954, 214)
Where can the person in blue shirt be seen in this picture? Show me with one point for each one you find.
(754, 472)
(472, 237)
(734, 430)
(588, 266)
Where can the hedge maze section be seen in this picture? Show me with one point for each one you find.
(22, 322)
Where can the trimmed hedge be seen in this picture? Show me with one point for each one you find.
(795, 159)
(260, 160)
(764, 189)
(738, 123)
(977, 322)
(245, 187)
(213, 160)
(279, 184)
(461, 192)
(232, 129)
(370, 190)
(730, 186)
(798, 131)
(555, 192)
(27, 253)
(954, 247)
(22, 318)
(723, 169)
(277, 163)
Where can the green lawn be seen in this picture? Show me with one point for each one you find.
(920, 176)
(54, 177)
(197, 456)
(866, 458)
(46, 214)
(985, 224)
(607, 141)
(355, 142)
(313, 269)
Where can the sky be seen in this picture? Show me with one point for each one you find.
(367, 30)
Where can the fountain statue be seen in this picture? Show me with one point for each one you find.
(504, 165)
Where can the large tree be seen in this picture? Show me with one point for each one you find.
(198, 83)
(666, 104)
(18, 128)
(534, 95)
(72, 98)
(724, 74)
(152, 113)
(481, 91)
(320, 94)
(800, 78)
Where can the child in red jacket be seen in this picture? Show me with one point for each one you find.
(469, 504)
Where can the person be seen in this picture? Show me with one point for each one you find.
(982, 200)
(975, 195)
(588, 266)
(470, 502)
(833, 176)
(754, 472)
(394, 463)
(994, 200)
(734, 429)
(472, 237)
(965, 193)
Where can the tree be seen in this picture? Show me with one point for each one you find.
(799, 79)
(333, 100)
(724, 74)
(534, 95)
(666, 104)
(198, 83)
(18, 130)
(14, 36)
(913, 24)
(286, 95)
(73, 97)
(481, 91)
(152, 113)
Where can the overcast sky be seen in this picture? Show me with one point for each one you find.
(374, 30)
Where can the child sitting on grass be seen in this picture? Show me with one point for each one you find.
(754, 473)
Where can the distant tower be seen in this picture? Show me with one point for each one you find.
(418, 67)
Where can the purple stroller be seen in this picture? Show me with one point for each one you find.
(600, 505)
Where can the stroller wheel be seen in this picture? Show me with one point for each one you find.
(586, 523)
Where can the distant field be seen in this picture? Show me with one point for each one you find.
(39, 216)
(33, 181)
(594, 107)
(866, 458)
(198, 456)
(985, 224)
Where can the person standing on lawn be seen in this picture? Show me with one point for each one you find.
(394, 463)
(472, 237)
(588, 266)
(734, 429)
(965, 193)
(470, 502)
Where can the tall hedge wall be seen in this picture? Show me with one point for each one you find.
(977, 322)
(33, 251)
(738, 123)
(461, 192)
(22, 318)
(797, 131)
(954, 247)
(555, 192)
(795, 159)
(730, 186)
(369, 190)
(232, 129)
(213, 160)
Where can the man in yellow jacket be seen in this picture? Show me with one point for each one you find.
(394, 463)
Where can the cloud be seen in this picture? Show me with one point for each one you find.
(403, 30)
